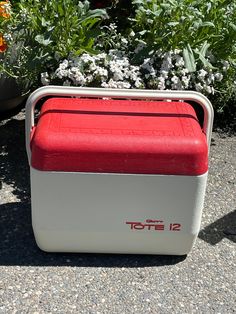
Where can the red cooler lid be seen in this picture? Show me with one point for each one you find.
(119, 136)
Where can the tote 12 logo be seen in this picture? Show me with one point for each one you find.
(155, 225)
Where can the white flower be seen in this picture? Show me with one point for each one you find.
(73, 70)
(45, 78)
(89, 78)
(179, 61)
(116, 84)
(226, 65)
(101, 71)
(86, 58)
(8, 37)
(201, 74)
(184, 71)
(211, 77)
(185, 80)
(118, 75)
(164, 74)
(105, 85)
(161, 79)
(208, 89)
(123, 85)
(218, 76)
(175, 79)
(161, 83)
(138, 83)
(79, 79)
(100, 56)
(161, 86)
(60, 73)
(198, 87)
(64, 64)
(92, 66)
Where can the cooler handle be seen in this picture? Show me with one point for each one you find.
(68, 91)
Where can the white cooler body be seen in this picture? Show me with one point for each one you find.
(117, 175)
(116, 213)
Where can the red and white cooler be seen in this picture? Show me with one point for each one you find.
(117, 171)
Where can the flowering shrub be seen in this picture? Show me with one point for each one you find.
(158, 44)
(168, 71)
(164, 70)
(112, 70)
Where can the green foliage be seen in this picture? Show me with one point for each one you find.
(205, 31)
(179, 24)
(62, 25)
(47, 31)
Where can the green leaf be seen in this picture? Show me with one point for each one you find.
(233, 26)
(205, 62)
(204, 48)
(209, 24)
(143, 32)
(41, 40)
(60, 9)
(189, 59)
(173, 23)
(43, 22)
(137, 1)
(202, 55)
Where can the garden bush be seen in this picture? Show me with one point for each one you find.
(157, 44)
(41, 33)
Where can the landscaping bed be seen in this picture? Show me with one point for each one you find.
(174, 45)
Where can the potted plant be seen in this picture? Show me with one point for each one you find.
(10, 91)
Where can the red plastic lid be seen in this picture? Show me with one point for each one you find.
(119, 136)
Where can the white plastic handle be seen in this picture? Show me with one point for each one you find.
(67, 91)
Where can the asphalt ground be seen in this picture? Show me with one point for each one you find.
(32, 281)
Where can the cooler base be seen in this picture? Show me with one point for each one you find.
(116, 213)
(87, 242)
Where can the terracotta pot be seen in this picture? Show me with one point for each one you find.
(10, 94)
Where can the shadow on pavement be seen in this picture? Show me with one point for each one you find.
(225, 227)
(14, 169)
(17, 244)
(18, 247)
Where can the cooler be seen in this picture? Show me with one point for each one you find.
(117, 171)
